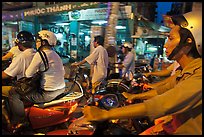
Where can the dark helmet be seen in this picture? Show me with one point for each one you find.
(25, 38)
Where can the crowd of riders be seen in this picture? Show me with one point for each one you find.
(175, 102)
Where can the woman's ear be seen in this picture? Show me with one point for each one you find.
(189, 40)
(43, 43)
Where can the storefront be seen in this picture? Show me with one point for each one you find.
(149, 40)
(72, 23)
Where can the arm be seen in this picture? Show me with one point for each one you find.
(145, 95)
(160, 83)
(14, 69)
(157, 88)
(4, 75)
(162, 73)
(170, 102)
(7, 56)
(90, 59)
(97, 114)
(78, 63)
(34, 65)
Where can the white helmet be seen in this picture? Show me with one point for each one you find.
(194, 24)
(127, 45)
(49, 36)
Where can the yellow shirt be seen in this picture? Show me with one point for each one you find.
(179, 98)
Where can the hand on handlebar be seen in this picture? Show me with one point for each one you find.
(146, 74)
(93, 113)
(75, 64)
(130, 97)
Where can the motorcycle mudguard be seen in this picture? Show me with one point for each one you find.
(49, 116)
(66, 132)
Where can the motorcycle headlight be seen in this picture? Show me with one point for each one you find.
(109, 101)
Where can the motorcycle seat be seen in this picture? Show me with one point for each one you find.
(69, 97)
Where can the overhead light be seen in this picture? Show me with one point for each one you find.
(100, 22)
(62, 24)
(11, 22)
(85, 25)
(120, 27)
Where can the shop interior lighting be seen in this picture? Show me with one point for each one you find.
(100, 22)
(59, 35)
(11, 22)
(81, 33)
(84, 25)
(120, 27)
(152, 49)
(87, 38)
(62, 24)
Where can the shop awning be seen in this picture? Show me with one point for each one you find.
(148, 29)
(46, 10)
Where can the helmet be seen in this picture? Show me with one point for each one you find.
(24, 37)
(127, 45)
(193, 22)
(49, 36)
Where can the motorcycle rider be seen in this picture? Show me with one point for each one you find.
(99, 59)
(129, 60)
(12, 53)
(24, 41)
(52, 83)
(128, 64)
(169, 71)
(181, 97)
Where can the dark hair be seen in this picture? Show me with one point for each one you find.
(184, 35)
(99, 40)
(43, 41)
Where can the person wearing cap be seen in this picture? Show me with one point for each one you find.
(128, 64)
(17, 68)
(52, 83)
(179, 101)
(99, 59)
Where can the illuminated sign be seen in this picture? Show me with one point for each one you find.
(75, 14)
(100, 13)
(65, 6)
(59, 8)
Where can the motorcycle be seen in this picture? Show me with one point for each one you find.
(45, 117)
(103, 99)
(108, 96)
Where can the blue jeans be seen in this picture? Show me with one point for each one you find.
(17, 106)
